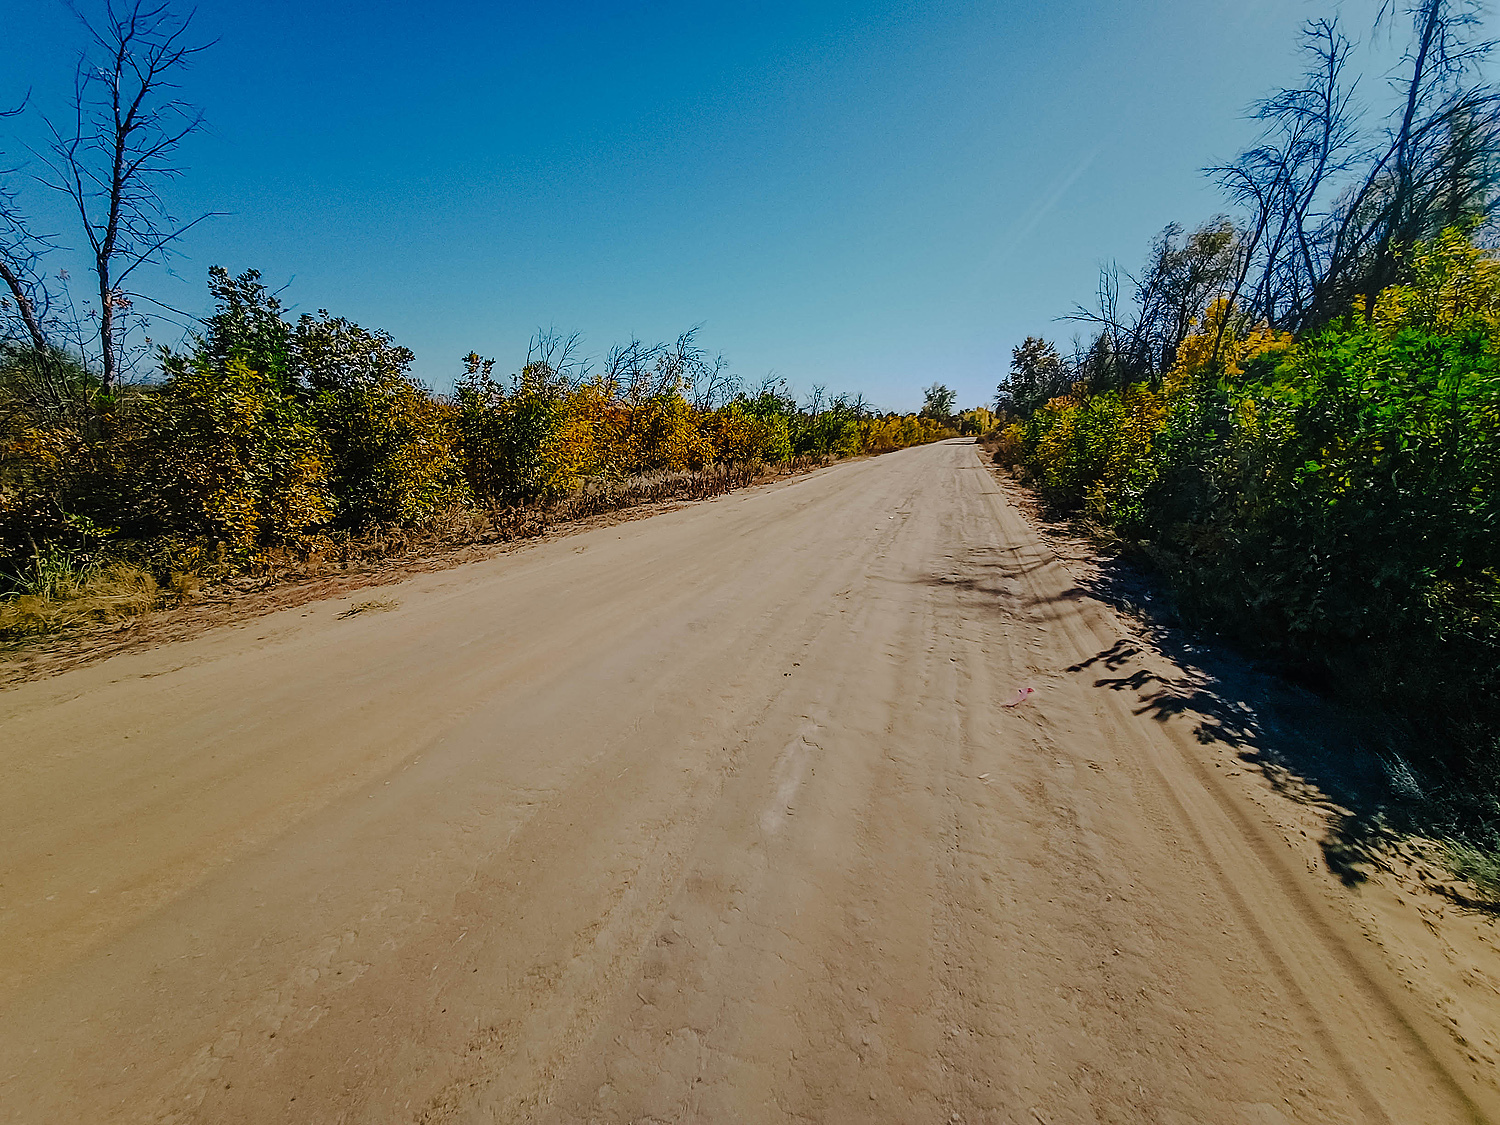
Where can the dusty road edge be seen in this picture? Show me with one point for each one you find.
(24, 661)
(1395, 912)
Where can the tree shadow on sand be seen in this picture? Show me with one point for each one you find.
(1353, 767)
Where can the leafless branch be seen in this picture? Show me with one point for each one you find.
(120, 149)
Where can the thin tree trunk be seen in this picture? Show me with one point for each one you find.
(23, 302)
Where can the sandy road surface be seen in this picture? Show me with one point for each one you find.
(714, 817)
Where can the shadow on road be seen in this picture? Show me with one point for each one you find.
(1351, 768)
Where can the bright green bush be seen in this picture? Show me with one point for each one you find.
(1335, 500)
(1362, 483)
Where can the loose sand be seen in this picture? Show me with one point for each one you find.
(716, 816)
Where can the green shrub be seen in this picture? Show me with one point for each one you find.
(395, 451)
(1334, 500)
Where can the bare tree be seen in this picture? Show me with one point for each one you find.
(20, 256)
(1309, 141)
(1434, 167)
(120, 150)
(816, 400)
(42, 383)
(632, 369)
(1140, 339)
(17, 262)
(705, 380)
(553, 360)
(641, 371)
(714, 382)
(1331, 207)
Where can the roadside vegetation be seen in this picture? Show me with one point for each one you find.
(1294, 410)
(131, 474)
(271, 445)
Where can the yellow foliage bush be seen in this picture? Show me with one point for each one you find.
(235, 459)
(738, 436)
(1455, 288)
(661, 433)
(1222, 345)
(890, 432)
(579, 448)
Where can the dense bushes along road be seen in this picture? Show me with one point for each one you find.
(1295, 410)
(1332, 499)
(274, 439)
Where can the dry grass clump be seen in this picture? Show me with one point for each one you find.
(61, 594)
(602, 494)
(1480, 866)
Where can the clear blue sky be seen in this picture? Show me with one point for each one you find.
(871, 196)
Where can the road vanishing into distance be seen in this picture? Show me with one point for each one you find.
(716, 816)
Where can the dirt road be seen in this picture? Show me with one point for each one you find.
(716, 816)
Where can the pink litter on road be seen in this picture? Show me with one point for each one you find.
(1021, 694)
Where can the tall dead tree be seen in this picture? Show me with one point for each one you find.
(120, 150)
(1309, 142)
(20, 282)
(1332, 205)
(39, 380)
(20, 253)
(1444, 131)
(1138, 339)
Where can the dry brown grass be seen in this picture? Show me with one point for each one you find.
(94, 596)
